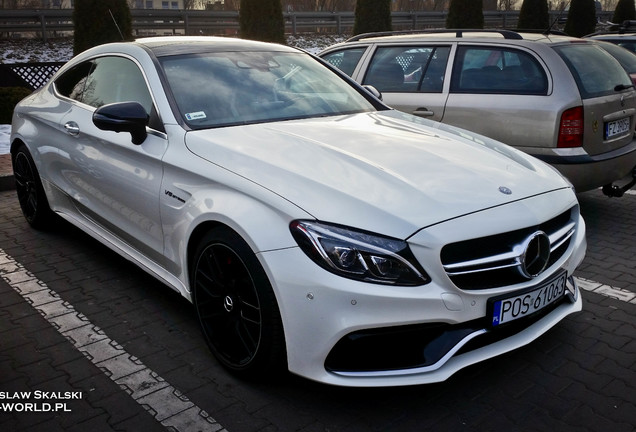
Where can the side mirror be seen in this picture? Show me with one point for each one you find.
(123, 117)
(374, 91)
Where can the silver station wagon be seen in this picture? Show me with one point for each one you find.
(563, 100)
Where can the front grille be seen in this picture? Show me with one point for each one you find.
(496, 261)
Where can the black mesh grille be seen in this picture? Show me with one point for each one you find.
(491, 246)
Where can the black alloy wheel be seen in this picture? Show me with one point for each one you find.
(31, 196)
(236, 306)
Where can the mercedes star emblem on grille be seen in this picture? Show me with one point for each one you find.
(536, 255)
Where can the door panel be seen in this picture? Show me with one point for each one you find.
(114, 182)
(109, 180)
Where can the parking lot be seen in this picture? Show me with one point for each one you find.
(90, 342)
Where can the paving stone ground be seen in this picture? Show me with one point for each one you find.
(6, 173)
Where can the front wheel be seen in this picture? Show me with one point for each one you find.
(236, 305)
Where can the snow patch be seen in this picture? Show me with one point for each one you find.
(5, 133)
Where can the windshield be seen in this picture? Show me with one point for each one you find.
(596, 72)
(232, 88)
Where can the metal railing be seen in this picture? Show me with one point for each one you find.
(47, 23)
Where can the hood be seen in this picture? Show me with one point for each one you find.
(385, 172)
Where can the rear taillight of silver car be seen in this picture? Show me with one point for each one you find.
(571, 128)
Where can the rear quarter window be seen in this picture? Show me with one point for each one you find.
(497, 70)
(595, 71)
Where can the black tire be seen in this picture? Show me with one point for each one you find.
(236, 306)
(33, 202)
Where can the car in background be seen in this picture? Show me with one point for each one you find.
(626, 58)
(313, 228)
(624, 35)
(563, 100)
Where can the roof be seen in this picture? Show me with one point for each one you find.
(173, 45)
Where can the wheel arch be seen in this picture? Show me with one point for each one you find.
(195, 238)
(16, 143)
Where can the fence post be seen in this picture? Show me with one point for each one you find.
(43, 26)
(339, 24)
(293, 17)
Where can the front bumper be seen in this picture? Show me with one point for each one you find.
(414, 335)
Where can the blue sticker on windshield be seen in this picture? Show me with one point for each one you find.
(195, 115)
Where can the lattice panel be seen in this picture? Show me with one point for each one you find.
(35, 74)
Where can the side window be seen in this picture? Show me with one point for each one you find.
(71, 83)
(116, 79)
(488, 70)
(345, 60)
(408, 69)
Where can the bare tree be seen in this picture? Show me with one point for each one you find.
(20, 4)
(609, 5)
(507, 5)
(194, 4)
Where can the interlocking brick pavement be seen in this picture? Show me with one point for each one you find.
(6, 173)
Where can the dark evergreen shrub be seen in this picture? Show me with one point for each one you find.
(100, 21)
(534, 15)
(581, 18)
(372, 16)
(625, 10)
(465, 14)
(262, 20)
(9, 97)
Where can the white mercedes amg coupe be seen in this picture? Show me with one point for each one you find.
(314, 229)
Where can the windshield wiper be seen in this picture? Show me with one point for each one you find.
(621, 87)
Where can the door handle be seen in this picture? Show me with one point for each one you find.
(72, 128)
(423, 112)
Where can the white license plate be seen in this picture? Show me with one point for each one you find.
(512, 308)
(616, 127)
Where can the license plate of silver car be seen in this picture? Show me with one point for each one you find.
(508, 309)
(616, 127)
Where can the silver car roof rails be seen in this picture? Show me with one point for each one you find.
(507, 34)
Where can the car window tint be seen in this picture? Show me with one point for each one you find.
(345, 60)
(595, 71)
(494, 70)
(408, 69)
(626, 58)
(116, 79)
(230, 88)
(71, 83)
(628, 45)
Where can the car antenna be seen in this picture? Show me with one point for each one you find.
(549, 30)
(116, 25)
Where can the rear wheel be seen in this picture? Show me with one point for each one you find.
(33, 202)
(236, 305)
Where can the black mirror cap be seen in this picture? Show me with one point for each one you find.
(123, 117)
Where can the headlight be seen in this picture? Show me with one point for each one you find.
(359, 255)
